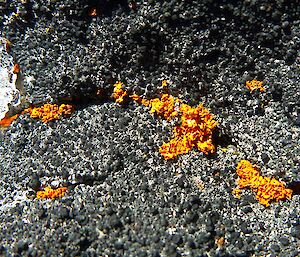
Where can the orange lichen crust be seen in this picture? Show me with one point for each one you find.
(16, 68)
(255, 85)
(119, 92)
(49, 112)
(49, 193)
(195, 128)
(266, 189)
(164, 83)
(92, 12)
(167, 106)
(7, 120)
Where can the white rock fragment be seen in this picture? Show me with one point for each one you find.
(9, 94)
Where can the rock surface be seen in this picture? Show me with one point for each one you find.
(123, 198)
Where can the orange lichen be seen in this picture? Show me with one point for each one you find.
(255, 85)
(220, 242)
(7, 120)
(164, 83)
(99, 92)
(266, 189)
(166, 106)
(195, 130)
(136, 98)
(237, 193)
(16, 68)
(119, 92)
(50, 193)
(49, 112)
(93, 12)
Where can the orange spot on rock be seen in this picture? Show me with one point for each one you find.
(7, 120)
(49, 193)
(49, 112)
(16, 68)
(266, 189)
(93, 12)
(194, 129)
(255, 85)
(119, 92)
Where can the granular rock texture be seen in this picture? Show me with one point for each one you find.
(66, 52)
(123, 198)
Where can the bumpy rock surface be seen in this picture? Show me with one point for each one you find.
(123, 198)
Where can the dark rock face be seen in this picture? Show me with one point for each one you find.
(71, 54)
(123, 198)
